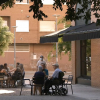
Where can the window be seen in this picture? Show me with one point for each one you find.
(48, 2)
(22, 2)
(6, 20)
(22, 25)
(47, 26)
(19, 47)
(5, 23)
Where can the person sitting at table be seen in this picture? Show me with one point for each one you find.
(13, 70)
(44, 70)
(52, 79)
(38, 79)
(15, 76)
(5, 71)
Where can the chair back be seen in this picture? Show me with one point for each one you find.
(38, 80)
(70, 79)
(61, 74)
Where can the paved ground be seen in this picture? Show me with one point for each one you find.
(81, 92)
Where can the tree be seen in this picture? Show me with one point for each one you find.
(71, 13)
(6, 37)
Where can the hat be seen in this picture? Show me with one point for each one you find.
(41, 56)
(55, 65)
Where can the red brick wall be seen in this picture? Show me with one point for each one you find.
(19, 12)
(44, 49)
(26, 58)
(73, 60)
(95, 62)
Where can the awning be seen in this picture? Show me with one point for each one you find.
(53, 37)
(89, 31)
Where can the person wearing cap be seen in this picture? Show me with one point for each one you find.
(56, 72)
(40, 61)
(51, 79)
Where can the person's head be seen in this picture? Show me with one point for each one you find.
(17, 64)
(55, 66)
(21, 66)
(40, 68)
(1, 67)
(43, 65)
(41, 58)
(5, 65)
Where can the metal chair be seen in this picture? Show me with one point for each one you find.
(69, 82)
(23, 81)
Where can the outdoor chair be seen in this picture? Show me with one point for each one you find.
(69, 82)
(37, 82)
(3, 79)
(23, 81)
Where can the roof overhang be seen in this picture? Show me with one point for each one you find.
(89, 31)
(81, 36)
(53, 37)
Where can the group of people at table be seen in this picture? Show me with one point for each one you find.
(11, 76)
(43, 71)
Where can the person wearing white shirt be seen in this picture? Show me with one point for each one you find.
(40, 62)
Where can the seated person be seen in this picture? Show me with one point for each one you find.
(38, 80)
(22, 70)
(1, 71)
(15, 76)
(51, 79)
(13, 70)
(44, 70)
(1, 67)
(4, 69)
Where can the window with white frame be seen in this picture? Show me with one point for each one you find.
(22, 25)
(47, 26)
(22, 2)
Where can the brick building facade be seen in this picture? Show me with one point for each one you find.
(28, 32)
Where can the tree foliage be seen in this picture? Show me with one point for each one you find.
(71, 13)
(6, 37)
(62, 46)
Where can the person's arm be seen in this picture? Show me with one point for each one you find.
(46, 73)
(37, 66)
(13, 70)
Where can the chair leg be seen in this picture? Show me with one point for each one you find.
(31, 89)
(72, 89)
(21, 86)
